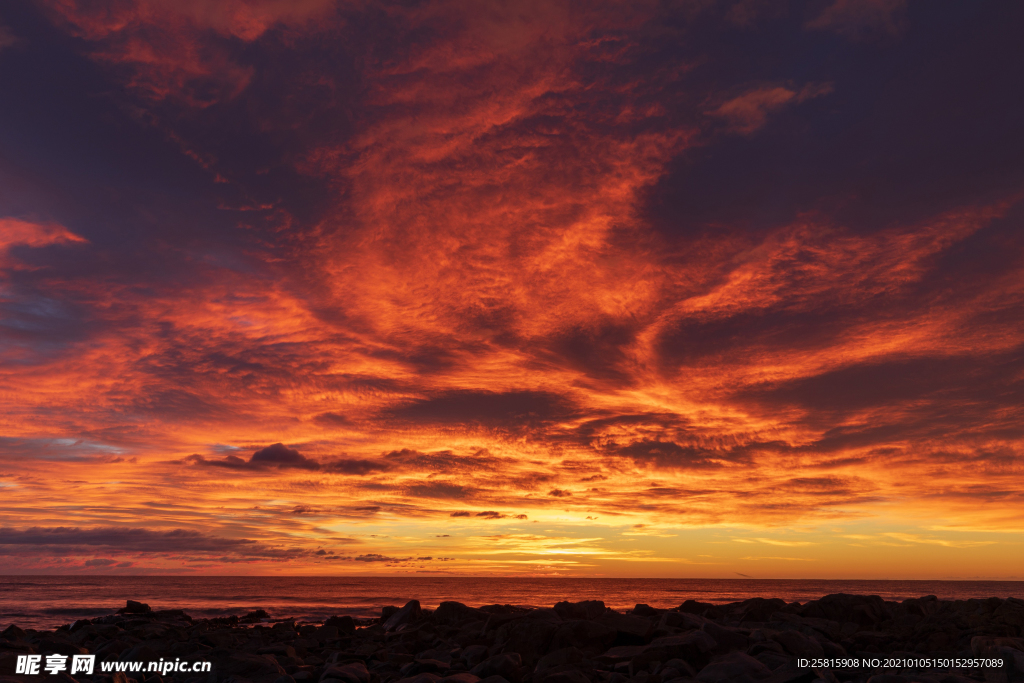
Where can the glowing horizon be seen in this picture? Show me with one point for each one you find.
(623, 289)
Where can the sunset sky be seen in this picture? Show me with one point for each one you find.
(673, 288)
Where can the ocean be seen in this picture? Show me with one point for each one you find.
(49, 601)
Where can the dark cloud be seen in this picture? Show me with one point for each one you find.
(671, 454)
(596, 351)
(862, 19)
(559, 493)
(442, 461)
(279, 456)
(332, 419)
(98, 562)
(460, 513)
(355, 466)
(440, 489)
(512, 409)
(131, 539)
(923, 397)
(377, 557)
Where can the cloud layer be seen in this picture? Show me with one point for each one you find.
(281, 278)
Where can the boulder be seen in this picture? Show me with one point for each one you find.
(530, 639)
(565, 655)
(409, 614)
(568, 676)
(419, 678)
(254, 667)
(865, 610)
(631, 629)
(727, 639)
(425, 666)
(592, 637)
(474, 654)
(644, 610)
(796, 643)
(759, 609)
(133, 607)
(694, 647)
(735, 667)
(507, 665)
(354, 672)
(345, 625)
(12, 632)
(588, 609)
(704, 609)
(456, 613)
(463, 677)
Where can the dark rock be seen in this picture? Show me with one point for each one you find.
(568, 676)
(457, 613)
(474, 654)
(682, 666)
(504, 609)
(796, 643)
(420, 678)
(79, 624)
(631, 629)
(346, 625)
(12, 632)
(425, 666)
(494, 679)
(254, 667)
(326, 632)
(134, 607)
(463, 677)
(644, 610)
(278, 650)
(591, 637)
(736, 667)
(623, 653)
(683, 620)
(704, 609)
(866, 610)
(254, 617)
(588, 609)
(727, 639)
(409, 614)
(354, 672)
(531, 640)
(566, 655)
(48, 646)
(506, 665)
(694, 648)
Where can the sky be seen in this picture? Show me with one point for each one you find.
(674, 288)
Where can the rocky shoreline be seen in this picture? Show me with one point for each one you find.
(835, 639)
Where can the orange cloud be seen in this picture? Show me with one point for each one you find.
(750, 111)
(440, 298)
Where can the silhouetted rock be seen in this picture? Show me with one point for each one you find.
(405, 616)
(134, 607)
(753, 641)
(346, 625)
(588, 609)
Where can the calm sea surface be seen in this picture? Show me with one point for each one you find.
(48, 601)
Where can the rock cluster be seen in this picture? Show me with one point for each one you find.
(754, 641)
